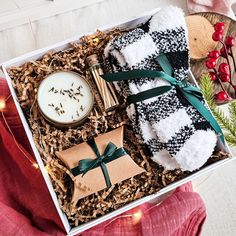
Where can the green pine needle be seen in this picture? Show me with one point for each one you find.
(231, 140)
(228, 124)
(232, 111)
(224, 121)
(207, 87)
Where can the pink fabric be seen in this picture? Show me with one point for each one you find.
(183, 213)
(26, 207)
(225, 7)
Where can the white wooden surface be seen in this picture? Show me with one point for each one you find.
(18, 12)
(217, 189)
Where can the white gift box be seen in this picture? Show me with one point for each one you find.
(60, 46)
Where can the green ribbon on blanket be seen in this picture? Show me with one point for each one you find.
(110, 154)
(192, 94)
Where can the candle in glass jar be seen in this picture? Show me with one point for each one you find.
(65, 98)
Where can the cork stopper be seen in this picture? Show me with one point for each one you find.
(92, 60)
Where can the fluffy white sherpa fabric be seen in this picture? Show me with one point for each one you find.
(173, 131)
(196, 150)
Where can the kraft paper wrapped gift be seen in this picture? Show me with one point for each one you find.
(119, 168)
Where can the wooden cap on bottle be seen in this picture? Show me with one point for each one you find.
(92, 60)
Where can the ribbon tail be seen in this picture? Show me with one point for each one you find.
(86, 165)
(82, 167)
(194, 101)
(192, 90)
(106, 175)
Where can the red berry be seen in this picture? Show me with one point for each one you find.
(230, 41)
(214, 54)
(222, 52)
(224, 77)
(210, 63)
(222, 96)
(219, 26)
(213, 76)
(217, 36)
(223, 68)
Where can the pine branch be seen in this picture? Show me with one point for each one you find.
(224, 121)
(207, 89)
(227, 123)
(232, 111)
(231, 140)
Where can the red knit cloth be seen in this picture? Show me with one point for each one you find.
(26, 207)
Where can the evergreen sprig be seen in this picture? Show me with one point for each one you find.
(228, 124)
(207, 87)
(232, 111)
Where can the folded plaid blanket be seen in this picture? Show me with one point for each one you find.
(174, 132)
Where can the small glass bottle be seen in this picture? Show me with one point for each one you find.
(106, 90)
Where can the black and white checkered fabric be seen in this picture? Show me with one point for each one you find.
(176, 135)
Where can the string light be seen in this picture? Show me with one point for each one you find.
(47, 168)
(96, 40)
(2, 106)
(136, 217)
(35, 165)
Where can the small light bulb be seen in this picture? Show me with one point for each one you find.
(2, 105)
(136, 217)
(47, 168)
(35, 165)
(96, 40)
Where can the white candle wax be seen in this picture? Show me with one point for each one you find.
(65, 98)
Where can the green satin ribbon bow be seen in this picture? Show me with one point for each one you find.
(110, 154)
(191, 93)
